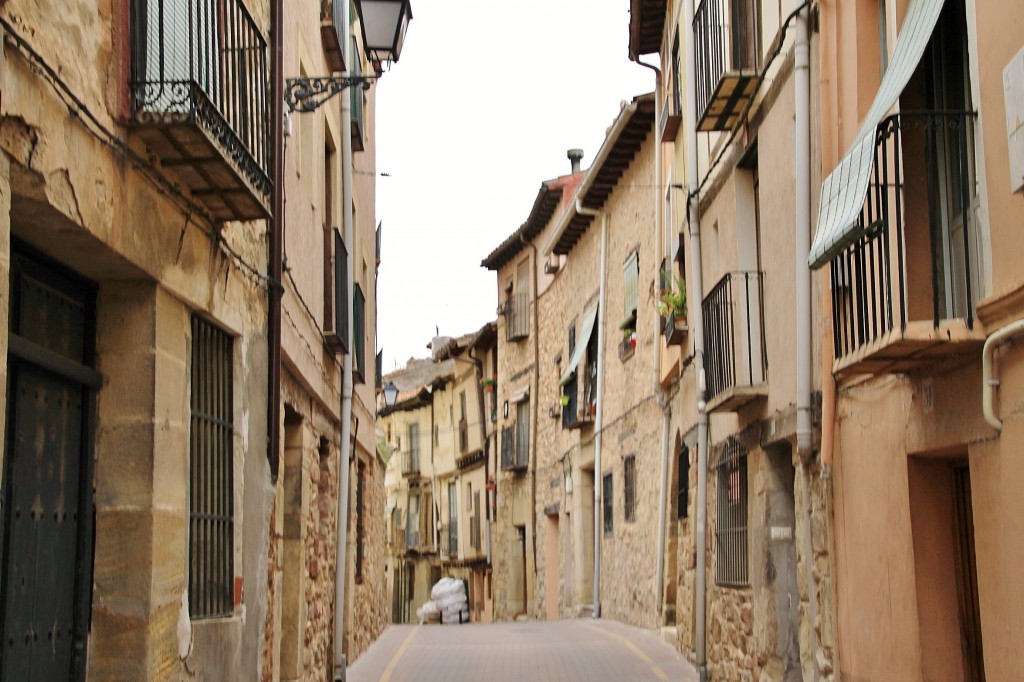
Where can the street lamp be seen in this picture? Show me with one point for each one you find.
(384, 23)
(390, 394)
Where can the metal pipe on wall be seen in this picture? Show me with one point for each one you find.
(598, 421)
(697, 287)
(341, 548)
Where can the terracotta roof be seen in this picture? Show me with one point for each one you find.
(602, 178)
(548, 197)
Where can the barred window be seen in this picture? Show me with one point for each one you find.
(211, 488)
(523, 434)
(606, 503)
(414, 446)
(629, 488)
(731, 525)
(683, 484)
(360, 523)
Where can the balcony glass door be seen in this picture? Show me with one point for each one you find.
(954, 223)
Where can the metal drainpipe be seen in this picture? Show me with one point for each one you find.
(598, 418)
(274, 288)
(341, 548)
(534, 406)
(802, 172)
(478, 363)
(697, 287)
(659, 393)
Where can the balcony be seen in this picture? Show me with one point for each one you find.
(904, 293)
(578, 409)
(358, 118)
(671, 117)
(398, 543)
(412, 540)
(726, 36)
(675, 329)
(514, 454)
(199, 100)
(411, 465)
(450, 538)
(517, 317)
(332, 32)
(735, 361)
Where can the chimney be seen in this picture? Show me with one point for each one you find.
(575, 155)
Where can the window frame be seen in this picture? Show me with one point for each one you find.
(607, 503)
(629, 488)
(211, 443)
(732, 523)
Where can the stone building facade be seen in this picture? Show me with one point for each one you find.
(439, 438)
(621, 388)
(123, 290)
(753, 366)
(135, 284)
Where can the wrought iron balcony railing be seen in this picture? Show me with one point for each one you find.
(736, 359)
(727, 41)
(917, 262)
(411, 464)
(199, 99)
(517, 317)
(450, 536)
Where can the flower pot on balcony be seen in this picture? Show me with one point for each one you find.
(675, 330)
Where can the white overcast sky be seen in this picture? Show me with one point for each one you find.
(487, 98)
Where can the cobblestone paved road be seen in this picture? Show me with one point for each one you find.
(575, 650)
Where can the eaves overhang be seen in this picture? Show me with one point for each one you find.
(633, 125)
(544, 207)
(646, 25)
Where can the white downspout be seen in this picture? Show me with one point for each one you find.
(802, 173)
(598, 422)
(695, 300)
(988, 383)
(340, 552)
(659, 394)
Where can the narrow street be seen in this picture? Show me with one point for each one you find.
(592, 650)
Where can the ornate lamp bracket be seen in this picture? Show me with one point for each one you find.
(307, 94)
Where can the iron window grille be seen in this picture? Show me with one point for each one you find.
(360, 522)
(683, 484)
(629, 488)
(607, 508)
(517, 317)
(211, 492)
(412, 460)
(731, 524)
(523, 435)
(508, 448)
(359, 334)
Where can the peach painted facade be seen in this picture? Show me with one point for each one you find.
(926, 492)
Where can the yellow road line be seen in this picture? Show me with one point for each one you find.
(398, 654)
(662, 675)
(628, 644)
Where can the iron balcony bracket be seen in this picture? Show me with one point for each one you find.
(306, 94)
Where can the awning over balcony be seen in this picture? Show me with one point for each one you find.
(581, 343)
(845, 189)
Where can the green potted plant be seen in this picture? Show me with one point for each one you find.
(672, 308)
